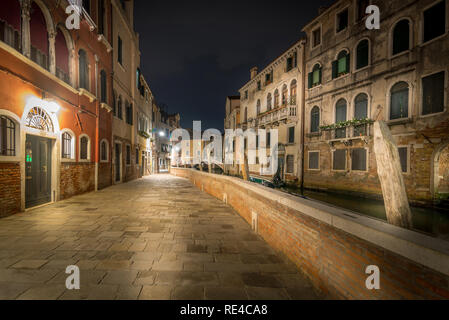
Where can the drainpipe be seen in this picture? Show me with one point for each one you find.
(303, 102)
(97, 127)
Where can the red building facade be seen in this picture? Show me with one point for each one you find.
(55, 97)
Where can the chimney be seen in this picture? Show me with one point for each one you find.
(253, 72)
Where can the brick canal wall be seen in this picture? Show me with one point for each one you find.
(333, 247)
(77, 178)
(9, 188)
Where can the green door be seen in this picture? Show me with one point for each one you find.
(37, 171)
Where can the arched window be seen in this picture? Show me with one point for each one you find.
(37, 118)
(7, 137)
(340, 116)
(62, 57)
(119, 108)
(315, 119)
(399, 101)
(362, 54)
(258, 107)
(39, 36)
(269, 101)
(104, 151)
(10, 23)
(361, 107)
(401, 36)
(315, 76)
(276, 98)
(84, 148)
(114, 103)
(67, 146)
(341, 65)
(293, 92)
(83, 70)
(284, 95)
(103, 83)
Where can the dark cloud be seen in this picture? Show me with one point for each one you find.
(195, 53)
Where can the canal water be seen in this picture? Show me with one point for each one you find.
(434, 222)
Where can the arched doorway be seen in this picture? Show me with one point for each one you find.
(441, 172)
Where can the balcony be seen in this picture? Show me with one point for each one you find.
(348, 132)
(284, 113)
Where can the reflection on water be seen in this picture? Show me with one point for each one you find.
(428, 220)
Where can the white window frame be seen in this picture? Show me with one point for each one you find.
(88, 148)
(73, 146)
(107, 151)
(410, 100)
(408, 158)
(445, 98)
(13, 117)
(319, 160)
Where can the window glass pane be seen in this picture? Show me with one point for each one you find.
(342, 65)
(315, 120)
(361, 107)
(435, 21)
(291, 135)
(401, 37)
(314, 160)
(362, 54)
(339, 162)
(399, 101)
(433, 93)
(403, 156)
(359, 159)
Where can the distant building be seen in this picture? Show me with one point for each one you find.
(163, 126)
(398, 74)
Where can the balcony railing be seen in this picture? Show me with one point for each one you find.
(39, 57)
(283, 113)
(62, 75)
(349, 132)
(9, 35)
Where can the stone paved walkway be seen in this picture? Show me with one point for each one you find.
(155, 238)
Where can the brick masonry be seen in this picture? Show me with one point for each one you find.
(10, 188)
(77, 178)
(332, 259)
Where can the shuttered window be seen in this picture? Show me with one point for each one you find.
(314, 160)
(358, 159)
(291, 135)
(342, 20)
(315, 76)
(339, 162)
(403, 157)
(315, 119)
(341, 65)
(128, 155)
(399, 101)
(433, 93)
(435, 21)
(290, 163)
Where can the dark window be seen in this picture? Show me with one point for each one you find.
(433, 93)
(399, 101)
(84, 146)
(315, 119)
(268, 139)
(289, 64)
(129, 113)
(269, 101)
(120, 51)
(86, 5)
(341, 65)
(276, 98)
(104, 151)
(103, 84)
(361, 8)
(314, 160)
(361, 107)
(316, 37)
(339, 162)
(401, 37)
(246, 94)
(342, 20)
(101, 15)
(245, 115)
(128, 155)
(359, 159)
(284, 95)
(362, 54)
(258, 107)
(435, 21)
(291, 135)
(7, 137)
(340, 116)
(83, 70)
(403, 157)
(114, 102)
(119, 108)
(259, 86)
(122, 2)
(137, 156)
(290, 163)
(66, 145)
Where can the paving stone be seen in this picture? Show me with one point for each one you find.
(29, 264)
(188, 293)
(47, 292)
(257, 293)
(225, 293)
(155, 293)
(260, 280)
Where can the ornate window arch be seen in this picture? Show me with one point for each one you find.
(39, 119)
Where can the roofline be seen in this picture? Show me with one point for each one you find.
(298, 42)
(307, 25)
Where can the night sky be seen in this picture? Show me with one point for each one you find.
(196, 53)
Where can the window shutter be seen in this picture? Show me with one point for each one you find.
(310, 80)
(314, 160)
(320, 75)
(334, 69)
(348, 65)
